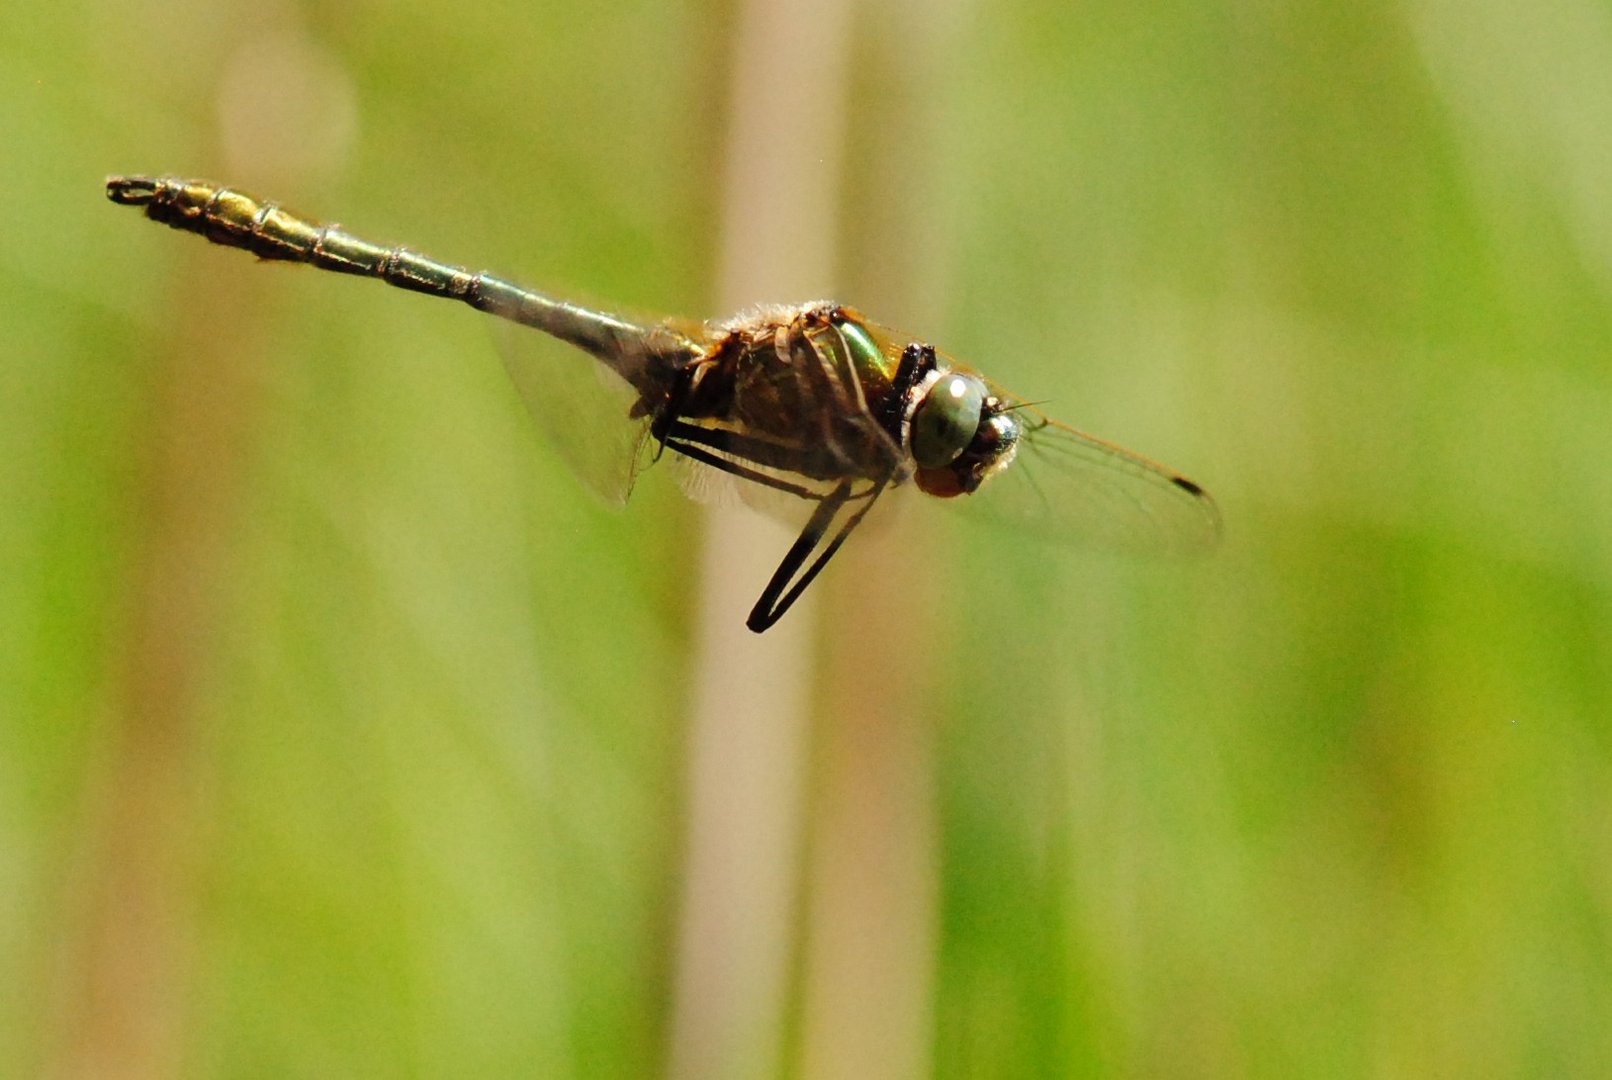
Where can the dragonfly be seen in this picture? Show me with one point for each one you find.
(810, 411)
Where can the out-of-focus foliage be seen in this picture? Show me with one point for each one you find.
(341, 734)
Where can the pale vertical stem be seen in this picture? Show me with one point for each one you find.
(747, 754)
(869, 946)
(128, 946)
(870, 919)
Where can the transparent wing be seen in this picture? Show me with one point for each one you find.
(579, 406)
(1071, 487)
(706, 484)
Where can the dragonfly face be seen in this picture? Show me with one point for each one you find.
(811, 407)
(961, 435)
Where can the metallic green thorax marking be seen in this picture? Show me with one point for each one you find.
(873, 366)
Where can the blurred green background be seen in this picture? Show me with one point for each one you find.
(341, 734)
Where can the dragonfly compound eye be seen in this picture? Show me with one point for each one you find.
(946, 420)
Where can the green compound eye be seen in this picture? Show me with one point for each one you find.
(946, 420)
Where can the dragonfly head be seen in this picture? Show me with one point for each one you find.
(960, 434)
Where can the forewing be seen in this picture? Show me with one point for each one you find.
(1071, 487)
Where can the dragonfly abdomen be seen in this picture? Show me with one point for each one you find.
(235, 219)
(640, 354)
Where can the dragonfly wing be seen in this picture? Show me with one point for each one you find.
(581, 407)
(1071, 487)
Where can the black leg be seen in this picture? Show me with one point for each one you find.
(770, 607)
(917, 361)
(705, 457)
(773, 455)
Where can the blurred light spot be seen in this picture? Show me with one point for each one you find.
(286, 111)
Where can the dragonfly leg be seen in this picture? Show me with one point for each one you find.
(747, 448)
(917, 361)
(744, 472)
(668, 412)
(774, 600)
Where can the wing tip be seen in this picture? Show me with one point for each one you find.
(1189, 487)
(1214, 526)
